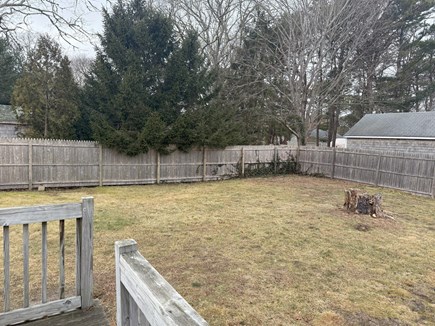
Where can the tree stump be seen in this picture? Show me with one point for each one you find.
(360, 202)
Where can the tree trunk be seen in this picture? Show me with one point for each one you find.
(359, 202)
(46, 123)
(318, 136)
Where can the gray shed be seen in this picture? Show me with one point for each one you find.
(410, 131)
(9, 126)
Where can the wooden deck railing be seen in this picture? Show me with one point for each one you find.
(83, 213)
(143, 296)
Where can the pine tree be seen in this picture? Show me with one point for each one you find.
(143, 79)
(47, 93)
(9, 71)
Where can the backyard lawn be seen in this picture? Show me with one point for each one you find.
(261, 251)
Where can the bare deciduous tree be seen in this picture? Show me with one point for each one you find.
(81, 66)
(220, 24)
(64, 16)
(313, 44)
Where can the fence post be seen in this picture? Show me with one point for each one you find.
(334, 157)
(100, 164)
(433, 181)
(243, 161)
(86, 253)
(275, 160)
(122, 296)
(298, 156)
(204, 164)
(157, 167)
(30, 165)
(378, 168)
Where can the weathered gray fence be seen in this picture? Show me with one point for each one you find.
(29, 163)
(143, 296)
(413, 172)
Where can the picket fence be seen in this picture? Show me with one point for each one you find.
(31, 163)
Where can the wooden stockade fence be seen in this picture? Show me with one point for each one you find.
(30, 163)
(143, 296)
(412, 172)
(82, 213)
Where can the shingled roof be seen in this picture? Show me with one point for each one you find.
(7, 114)
(413, 125)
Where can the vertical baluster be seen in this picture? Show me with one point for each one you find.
(26, 296)
(61, 259)
(78, 255)
(44, 262)
(6, 262)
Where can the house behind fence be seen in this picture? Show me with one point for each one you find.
(408, 131)
(9, 125)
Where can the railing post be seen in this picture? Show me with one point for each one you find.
(86, 255)
(122, 296)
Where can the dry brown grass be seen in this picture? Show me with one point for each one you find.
(265, 251)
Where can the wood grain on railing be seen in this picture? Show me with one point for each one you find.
(83, 214)
(143, 296)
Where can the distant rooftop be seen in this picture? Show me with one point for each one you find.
(323, 134)
(7, 114)
(395, 125)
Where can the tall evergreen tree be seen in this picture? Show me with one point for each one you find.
(9, 71)
(47, 93)
(143, 79)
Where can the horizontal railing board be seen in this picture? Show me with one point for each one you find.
(39, 311)
(39, 214)
(154, 296)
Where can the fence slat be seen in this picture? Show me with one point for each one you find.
(30, 166)
(6, 272)
(26, 279)
(433, 180)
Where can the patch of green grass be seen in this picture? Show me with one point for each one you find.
(265, 251)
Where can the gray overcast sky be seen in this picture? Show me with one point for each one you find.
(92, 23)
